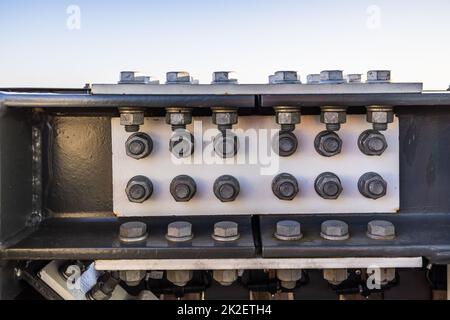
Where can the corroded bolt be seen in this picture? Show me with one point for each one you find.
(183, 188)
(226, 188)
(139, 189)
(375, 76)
(285, 186)
(180, 231)
(328, 186)
(381, 230)
(371, 185)
(226, 231)
(284, 77)
(334, 230)
(372, 143)
(332, 76)
(224, 77)
(134, 231)
(328, 144)
(288, 230)
(139, 146)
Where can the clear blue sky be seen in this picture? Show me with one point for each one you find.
(254, 38)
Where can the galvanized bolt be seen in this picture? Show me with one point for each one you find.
(132, 278)
(131, 118)
(225, 277)
(284, 77)
(180, 278)
(285, 143)
(377, 76)
(335, 276)
(332, 77)
(333, 117)
(328, 186)
(226, 188)
(334, 230)
(180, 231)
(380, 116)
(133, 232)
(372, 143)
(381, 230)
(139, 189)
(354, 78)
(183, 188)
(224, 77)
(178, 77)
(328, 144)
(285, 186)
(289, 278)
(139, 146)
(181, 143)
(288, 230)
(371, 185)
(313, 79)
(226, 231)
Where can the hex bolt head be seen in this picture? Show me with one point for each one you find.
(332, 77)
(181, 143)
(288, 230)
(285, 187)
(178, 77)
(139, 189)
(226, 144)
(178, 117)
(289, 278)
(354, 78)
(132, 278)
(180, 278)
(224, 77)
(183, 188)
(313, 79)
(139, 146)
(335, 276)
(131, 118)
(226, 231)
(381, 230)
(226, 188)
(333, 117)
(371, 185)
(225, 277)
(377, 76)
(134, 231)
(328, 144)
(285, 143)
(334, 230)
(179, 231)
(328, 186)
(224, 118)
(380, 116)
(284, 77)
(372, 143)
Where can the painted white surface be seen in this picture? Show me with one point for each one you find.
(256, 195)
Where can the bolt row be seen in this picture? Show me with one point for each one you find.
(285, 186)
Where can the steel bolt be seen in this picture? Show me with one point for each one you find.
(354, 78)
(285, 186)
(226, 144)
(133, 232)
(132, 278)
(178, 77)
(183, 188)
(313, 79)
(133, 77)
(288, 230)
(288, 117)
(180, 231)
(285, 143)
(139, 189)
(139, 146)
(381, 230)
(226, 188)
(328, 144)
(335, 276)
(182, 144)
(371, 185)
(224, 118)
(380, 116)
(328, 186)
(284, 77)
(180, 278)
(178, 117)
(372, 143)
(224, 77)
(226, 231)
(131, 118)
(225, 277)
(332, 76)
(333, 117)
(334, 230)
(289, 278)
(377, 76)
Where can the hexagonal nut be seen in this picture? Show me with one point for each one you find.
(288, 117)
(328, 144)
(334, 230)
(132, 118)
(133, 230)
(328, 186)
(380, 117)
(313, 79)
(225, 118)
(333, 117)
(179, 278)
(354, 78)
(288, 230)
(379, 76)
(332, 76)
(284, 77)
(139, 189)
(381, 230)
(132, 278)
(180, 118)
(139, 146)
(225, 277)
(224, 77)
(285, 143)
(179, 231)
(226, 188)
(183, 188)
(226, 230)
(181, 77)
(289, 278)
(285, 187)
(335, 276)
(182, 143)
(371, 185)
(372, 143)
